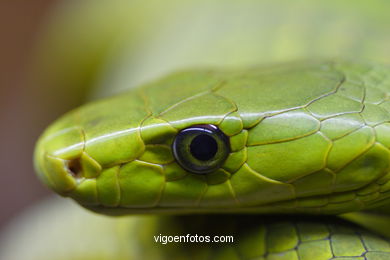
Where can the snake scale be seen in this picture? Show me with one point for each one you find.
(291, 159)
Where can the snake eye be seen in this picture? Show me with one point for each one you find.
(201, 148)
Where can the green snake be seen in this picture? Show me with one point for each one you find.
(291, 159)
(295, 138)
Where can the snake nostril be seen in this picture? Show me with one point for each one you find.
(74, 168)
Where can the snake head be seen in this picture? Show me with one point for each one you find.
(309, 137)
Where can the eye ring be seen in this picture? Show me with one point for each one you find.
(201, 149)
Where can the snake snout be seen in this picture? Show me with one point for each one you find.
(61, 161)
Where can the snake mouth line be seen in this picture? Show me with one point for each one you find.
(331, 204)
(83, 170)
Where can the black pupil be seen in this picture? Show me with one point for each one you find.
(203, 147)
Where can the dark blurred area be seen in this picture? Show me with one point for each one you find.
(20, 22)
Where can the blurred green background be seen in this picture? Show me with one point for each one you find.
(56, 55)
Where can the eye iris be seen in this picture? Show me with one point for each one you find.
(203, 147)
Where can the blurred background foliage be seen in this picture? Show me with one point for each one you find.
(57, 54)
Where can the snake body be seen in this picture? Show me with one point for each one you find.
(307, 137)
